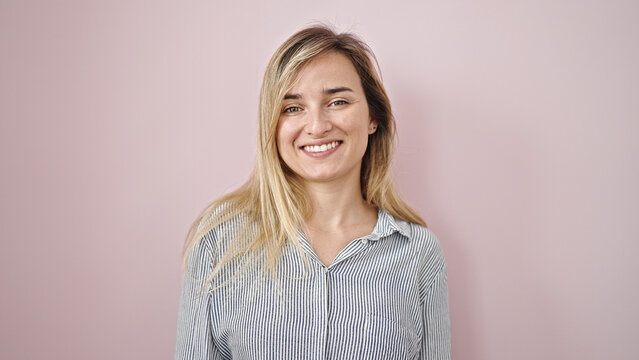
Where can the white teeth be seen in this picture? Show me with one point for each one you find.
(320, 148)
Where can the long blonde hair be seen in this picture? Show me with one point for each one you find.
(273, 201)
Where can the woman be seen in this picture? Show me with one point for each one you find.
(316, 256)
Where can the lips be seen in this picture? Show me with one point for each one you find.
(321, 148)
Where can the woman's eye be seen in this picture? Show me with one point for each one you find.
(292, 109)
(338, 102)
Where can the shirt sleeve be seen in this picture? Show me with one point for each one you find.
(436, 341)
(194, 335)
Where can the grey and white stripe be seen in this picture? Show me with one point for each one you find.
(383, 297)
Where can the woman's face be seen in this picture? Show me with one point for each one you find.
(323, 129)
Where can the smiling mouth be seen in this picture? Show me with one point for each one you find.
(321, 148)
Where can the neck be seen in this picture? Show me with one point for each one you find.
(338, 206)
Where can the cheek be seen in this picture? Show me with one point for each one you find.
(285, 136)
(359, 131)
(363, 139)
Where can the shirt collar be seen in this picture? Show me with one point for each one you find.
(387, 225)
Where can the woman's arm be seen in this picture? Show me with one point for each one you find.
(436, 341)
(194, 337)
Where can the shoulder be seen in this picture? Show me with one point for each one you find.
(427, 250)
(220, 230)
(420, 240)
(221, 226)
(427, 241)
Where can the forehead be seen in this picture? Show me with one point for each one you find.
(327, 70)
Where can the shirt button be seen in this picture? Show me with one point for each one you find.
(364, 241)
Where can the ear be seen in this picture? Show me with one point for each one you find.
(372, 126)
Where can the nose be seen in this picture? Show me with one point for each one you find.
(318, 123)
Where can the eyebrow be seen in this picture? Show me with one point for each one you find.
(326, 91)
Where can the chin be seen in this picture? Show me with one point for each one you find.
(327, 174)
(320, 177)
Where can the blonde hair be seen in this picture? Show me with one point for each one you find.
(273, 200)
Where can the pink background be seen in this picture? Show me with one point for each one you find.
(518, 142)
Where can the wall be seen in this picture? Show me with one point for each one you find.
(518, 128)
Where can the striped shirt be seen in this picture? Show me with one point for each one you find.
(384, 296)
